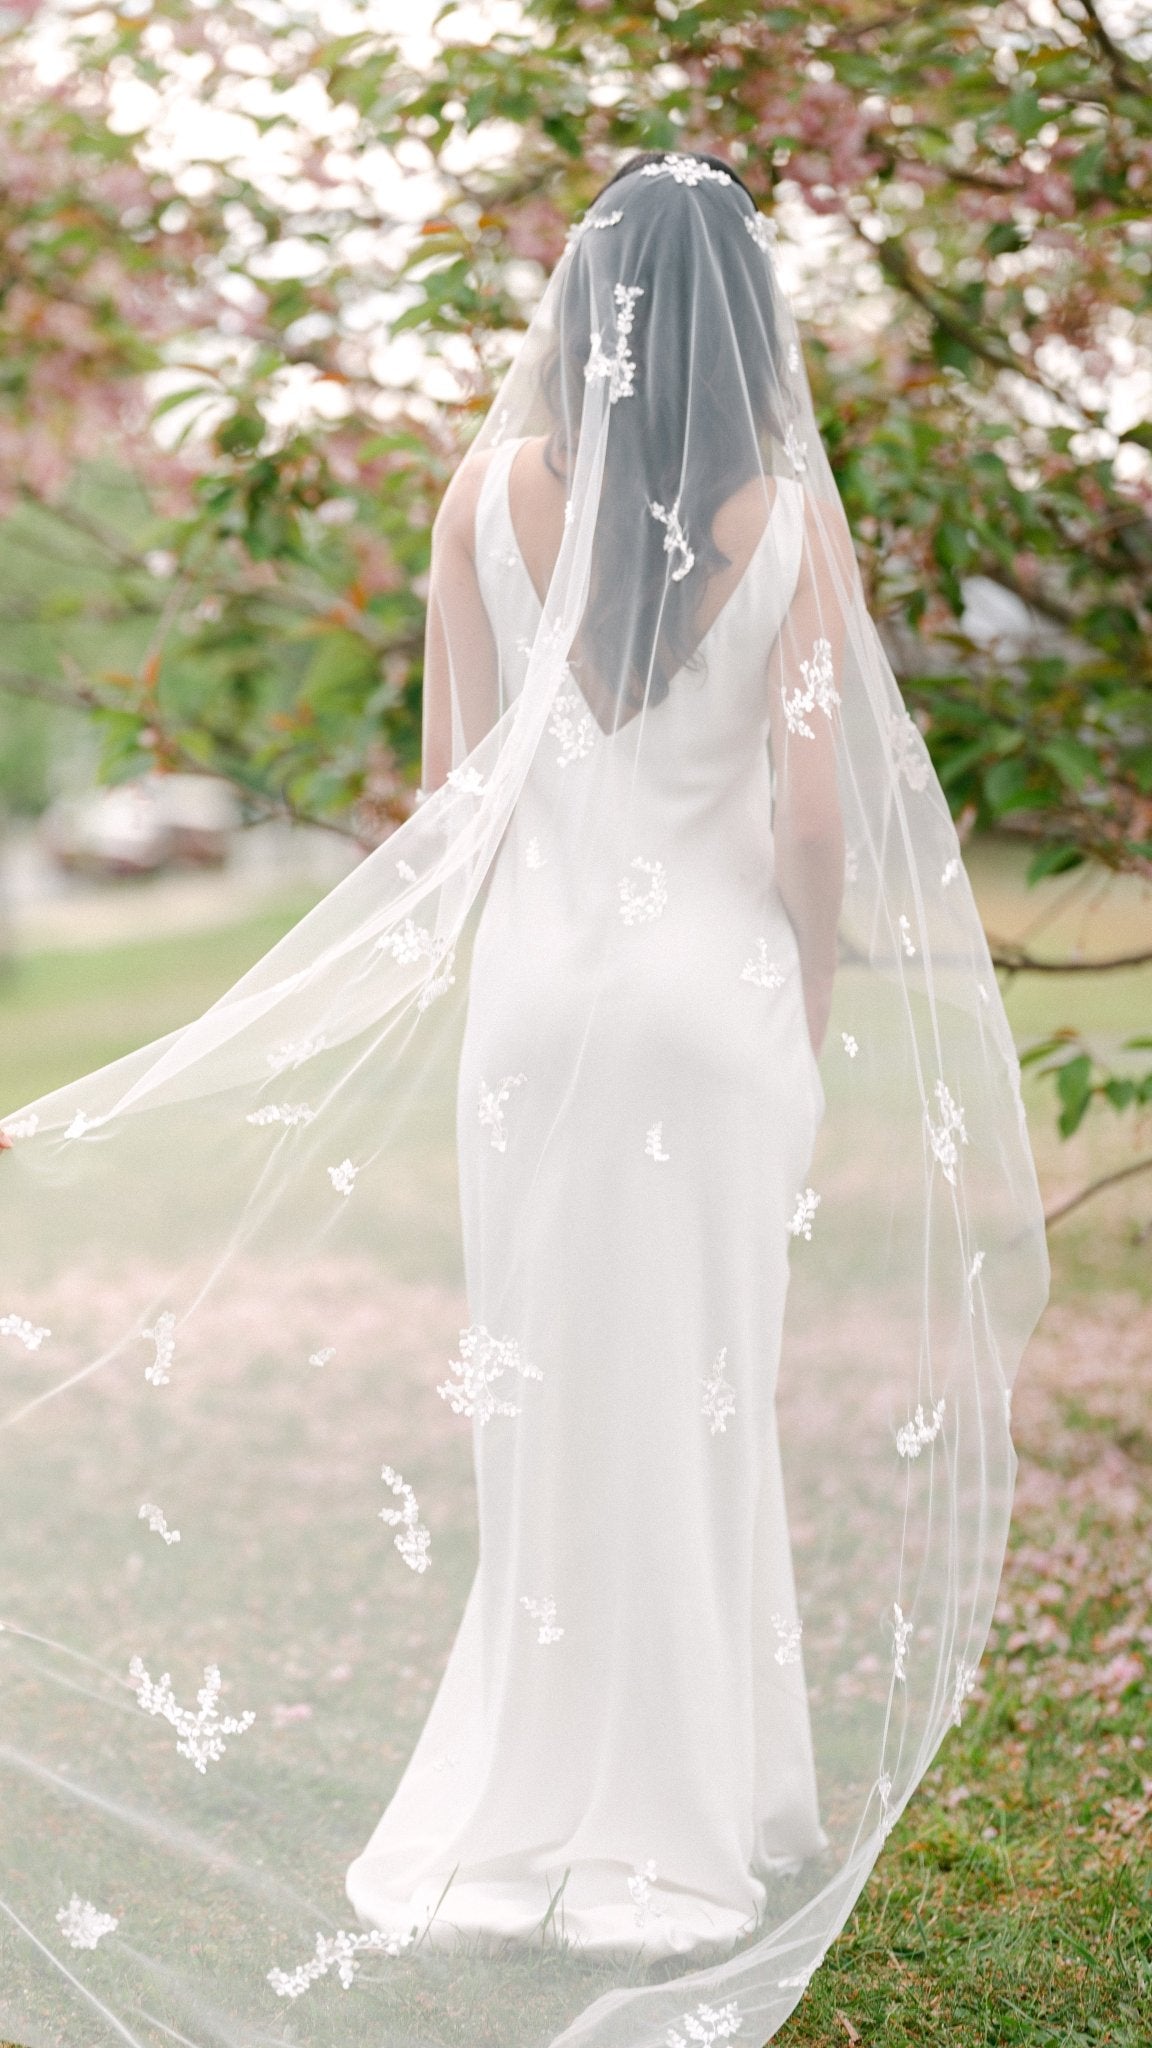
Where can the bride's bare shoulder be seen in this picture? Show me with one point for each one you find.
(456, 518)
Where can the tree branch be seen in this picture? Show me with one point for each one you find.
(1017, 960)
(1096, 1187)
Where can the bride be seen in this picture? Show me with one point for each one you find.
(738, 1230)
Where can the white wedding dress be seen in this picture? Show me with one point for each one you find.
(623, 1719)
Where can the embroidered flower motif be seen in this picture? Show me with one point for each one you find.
(686, 170)
(201, 1734)
(591, 223)
(440, 977)
(490, 1108)
(620, 367)
(719, 1401)
(483, 1360)
(643, 1899)
(793, 357)
(293, 1052)
(533, 858)
(290, 1113)
(902, 1636)
(943, 1136)
(82, 1924)
(505, 558)
(343, 1177)
(974, 1272)
(675, 538)
(572, 726)
(795, 449)
(654, 1144)
(543, 1613)
(963, 1688)
(406, 871)
(884, 1795)
(707, 2025)
(800, 1981)
(761, 971)
(30, 1335)
(787, 1649)
(912, 1436)
(639, 905)
(467, 779)
(322, 1357)
(407, 944)
(340, 1952)
(81, 1124)
(21, 1126)
(819, 692)
(909, 754)
(804, 1214)
(414, 1541)
(163, 1335)
(906, 939)
(157, 1521)
(850, 1044)
(763, 232)
(951, 870)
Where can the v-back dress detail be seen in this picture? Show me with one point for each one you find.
(623, 1717)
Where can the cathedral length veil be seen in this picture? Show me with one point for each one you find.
(503, 1210)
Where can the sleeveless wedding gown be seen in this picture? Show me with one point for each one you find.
(623, 1720)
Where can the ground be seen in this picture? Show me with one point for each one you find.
(1014, 1900)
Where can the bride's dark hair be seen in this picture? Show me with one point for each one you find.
(704, 401)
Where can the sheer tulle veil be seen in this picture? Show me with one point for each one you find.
(506, 1448)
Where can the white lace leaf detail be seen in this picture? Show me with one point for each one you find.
(82, 1924)
(901, 1637)
(619, 369)
(21, 1126)
(818, 694)
(906, 939)
(491, 1106)
(484, 1359)
(591, 224)
(851, 1045)
(788, 1634)
(30, 1335)
(804, 1214)
(163, 1335)
(542, 1613)
(201, 1735)
(340, 1952)
(912, 1437)
(675, 538)
(910, 757)
(287, 1113)
(323, 1356)
(964, 1685)
(795, 448)
(642, 1895)
(292, 1053)
(764, 233)
(686, 170)
(719, 1396)
(943, 1136)
(761, 971)
(707, 2025)
(951, 870)
(414, 1541)
(640, 902)
(572, 726)
(81, 1124)
(654, 1144)
(343, 1177)
(466, 779)
(157, 1522)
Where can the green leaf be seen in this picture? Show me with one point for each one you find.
(1074, 1087)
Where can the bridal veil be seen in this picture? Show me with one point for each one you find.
(506, 1455)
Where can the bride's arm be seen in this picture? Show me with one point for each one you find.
(808, 827)
(461, 675)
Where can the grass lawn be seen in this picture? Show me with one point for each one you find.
(1013, 1903)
